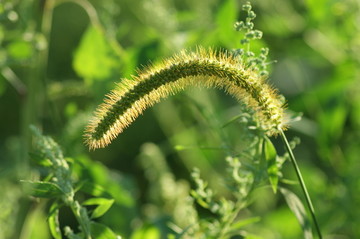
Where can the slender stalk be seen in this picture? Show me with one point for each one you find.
(34, 99)
(82, 218)
(225, 228)
(302, 183)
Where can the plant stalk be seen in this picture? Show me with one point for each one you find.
(225, 228)
(302, 183)
(82, 218)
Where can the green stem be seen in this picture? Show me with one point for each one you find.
(225, 228)
(302, 183)
(82, 218)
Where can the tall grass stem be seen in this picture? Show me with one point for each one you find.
(302, 183)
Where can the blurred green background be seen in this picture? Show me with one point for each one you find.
(58, 58)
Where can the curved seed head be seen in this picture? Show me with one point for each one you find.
(204, 68)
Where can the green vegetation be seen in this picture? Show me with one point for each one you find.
(198, 164)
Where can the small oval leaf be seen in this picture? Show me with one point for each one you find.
(272, 168)
(43, 189)
(53, 220)
(104, 205)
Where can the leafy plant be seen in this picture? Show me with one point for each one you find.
(60, 187)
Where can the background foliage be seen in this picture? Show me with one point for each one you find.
(59, 57)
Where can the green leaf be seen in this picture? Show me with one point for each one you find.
(95, 59)
(146, 232)
(104, 205)
(39, 158)
(199, 199)
(20, 50)
(225, 19)
(53, 220)
(318, 9)
(272, 168)
(239, 224)
(100, 231)
(43, 189)
(93, 189)
(298, 209)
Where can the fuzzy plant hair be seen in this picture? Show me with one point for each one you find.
(204, 68)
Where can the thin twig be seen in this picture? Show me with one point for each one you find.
(14, 80)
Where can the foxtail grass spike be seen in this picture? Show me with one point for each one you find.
(204, 68)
